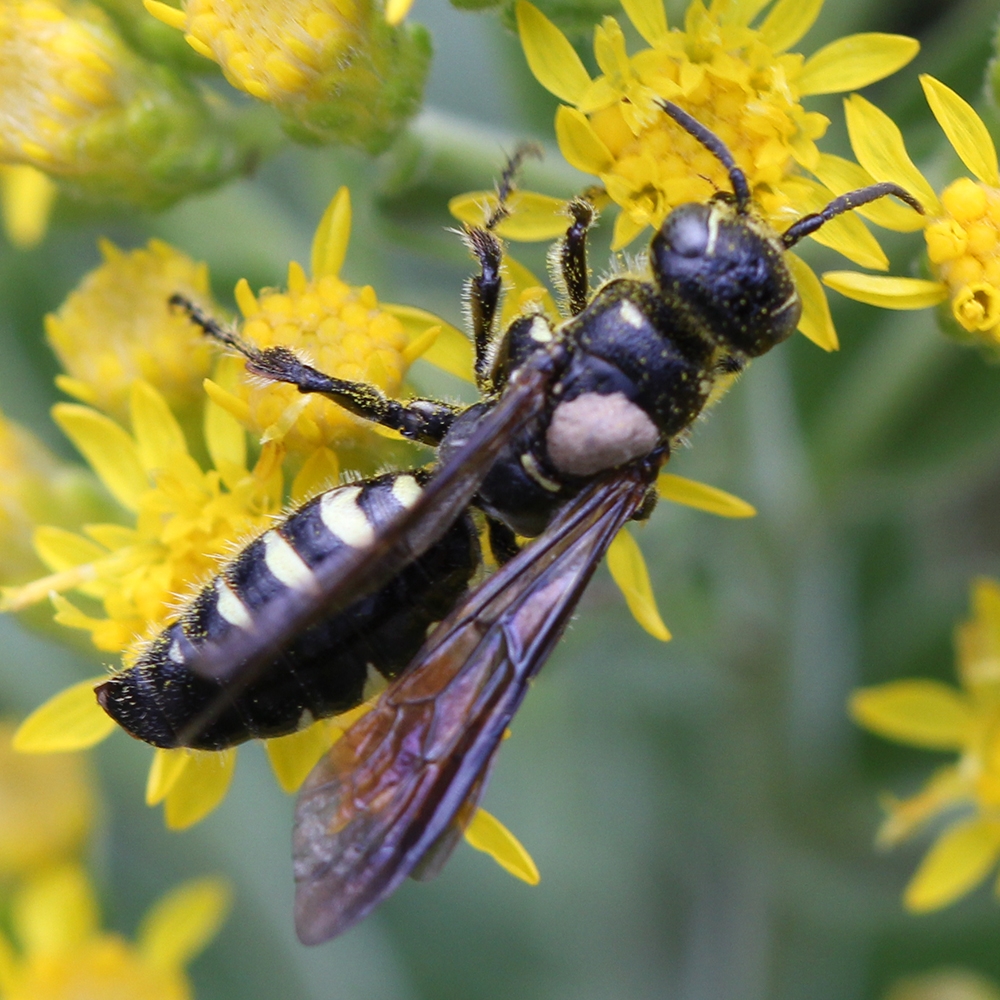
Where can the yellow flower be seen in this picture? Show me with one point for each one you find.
(343, 331)
(46, 807)
(929, 714)
(961, 228)
(116, 327)
(343, 70)
(62, 953)
(77, 103)
(737, 80)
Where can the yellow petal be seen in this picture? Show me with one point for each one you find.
(26, 199)
(922, 713)
(71, 720)
(486, 833)
(582, 147)
(944, 790)
(855, 61)
(708, 498)
(889, 293)
(520, 286)
(626, 229)
(158, 436)
(533, 216)
(419, 346)
(319, 472)
(233, 405)
(959, 860)
(293, 757)
(182, 923)
(332, 236)
(396, 10)
(628, 570)
(649, 19)
(164, 773)
(816, 323)
(788, 21)
(60, 549)
(841, 176)
(225, 437)
(964, 128)
(72, 386)
(878, 145)
(55, 912)
(451, 351)
(109, 450)
(201, 786)
(552, 59)
(171, 16)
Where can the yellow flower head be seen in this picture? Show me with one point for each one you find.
(117, 327)
(344, 70)
(62, 952)
(929, 714)
(46, 807)
(961, 228)
(738, 80)
(62, 71)
(342, 331)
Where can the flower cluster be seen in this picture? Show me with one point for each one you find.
(961, 228)
(966, 794)
(348, 72)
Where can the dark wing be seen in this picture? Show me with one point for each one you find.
(351, 573)
(390, 789)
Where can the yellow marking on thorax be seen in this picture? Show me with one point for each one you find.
(344, 519)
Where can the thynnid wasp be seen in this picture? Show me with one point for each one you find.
(575, 421)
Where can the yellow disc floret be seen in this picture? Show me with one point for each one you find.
(117, 327)
(343, 332)
(964, 251)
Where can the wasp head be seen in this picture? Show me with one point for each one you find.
(724, 271)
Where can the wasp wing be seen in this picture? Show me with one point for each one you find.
(351, 573)
(389, 789)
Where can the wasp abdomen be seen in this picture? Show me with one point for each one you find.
(324, 671)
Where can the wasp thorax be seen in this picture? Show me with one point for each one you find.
(727, 275)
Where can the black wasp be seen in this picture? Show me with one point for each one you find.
(574, 423)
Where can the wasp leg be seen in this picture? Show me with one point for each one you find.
(483, 295)
(503, 541)
(424, 420)
(569, 256)
(483, 289)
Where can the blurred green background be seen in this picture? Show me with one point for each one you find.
(702, 812)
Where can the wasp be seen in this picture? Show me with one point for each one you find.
(375, 579)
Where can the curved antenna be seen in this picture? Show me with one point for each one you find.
(853, 199)
(717, 148)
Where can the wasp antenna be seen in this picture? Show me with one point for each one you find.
(853, 199)
(717, 148)
(507, 184)
(209, 326)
